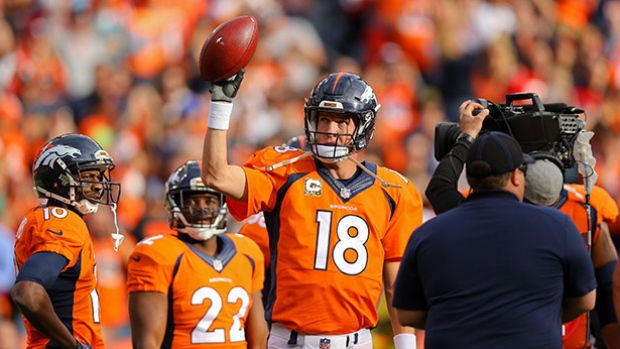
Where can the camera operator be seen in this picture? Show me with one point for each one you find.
(442, 190)
(545, 187)
(488, 283)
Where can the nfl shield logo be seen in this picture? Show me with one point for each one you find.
(217, 264)
(325, 343)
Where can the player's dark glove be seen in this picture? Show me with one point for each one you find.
(226, 90)
(81, 345)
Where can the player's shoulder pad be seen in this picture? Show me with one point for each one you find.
(393, 177)
(160, 248)
(61, 222)
(244, 244)
(269, 156)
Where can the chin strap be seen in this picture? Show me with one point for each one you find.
(117, 236)
(383, 183)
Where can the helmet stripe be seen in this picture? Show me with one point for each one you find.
(336, 81)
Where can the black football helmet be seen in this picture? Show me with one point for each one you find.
(345, 93)
(198, 222)
(58, 169)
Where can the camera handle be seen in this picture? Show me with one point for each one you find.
(536, 102)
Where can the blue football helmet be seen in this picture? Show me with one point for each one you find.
(345, 93)
(200, 223)
(58, 173)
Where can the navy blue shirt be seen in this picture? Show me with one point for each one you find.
(492, 273)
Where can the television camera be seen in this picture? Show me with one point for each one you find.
(552, 127)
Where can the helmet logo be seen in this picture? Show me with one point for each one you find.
(367, 95)
(51, 155)
(331, 104)
(102, 154)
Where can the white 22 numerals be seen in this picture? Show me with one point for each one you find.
(201, 333)
(345, 242)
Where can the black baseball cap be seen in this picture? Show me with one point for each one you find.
(499, 150)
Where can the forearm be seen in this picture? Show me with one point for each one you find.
(148, 318)
(216, 172)
(36, 306)
(404, 336)
(442, 190)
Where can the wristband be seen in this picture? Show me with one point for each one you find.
(465, 136)
(405, 341)
(219, 115)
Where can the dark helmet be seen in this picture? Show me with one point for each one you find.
(58, 169)
(192, 220)
(344, 93)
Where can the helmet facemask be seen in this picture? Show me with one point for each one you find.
(358, 140)
(199, 222)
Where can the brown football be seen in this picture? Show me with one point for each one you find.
(228, 49)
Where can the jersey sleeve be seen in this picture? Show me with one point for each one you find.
(408, 209)
(263, 182)
(64, 233)
(151, 266)
(605, 204)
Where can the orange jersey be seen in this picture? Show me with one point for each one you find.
(254, 228)
(331, 240)
(58, 230)
(209, 297)
(603, 209)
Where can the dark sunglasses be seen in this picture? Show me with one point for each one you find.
(523, 168)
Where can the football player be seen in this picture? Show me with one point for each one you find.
(55, 288)
(199, 288)
(337, 225)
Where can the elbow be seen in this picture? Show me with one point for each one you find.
(213, 177)
(23, 295)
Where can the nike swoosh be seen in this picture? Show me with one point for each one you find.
(59, 233)
(137, 259)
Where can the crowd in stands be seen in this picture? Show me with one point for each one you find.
(124, 72)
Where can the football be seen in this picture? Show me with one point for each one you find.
(228, 49)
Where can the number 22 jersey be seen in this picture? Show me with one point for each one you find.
(209, 297)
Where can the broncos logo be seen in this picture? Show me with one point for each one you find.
(49, 156)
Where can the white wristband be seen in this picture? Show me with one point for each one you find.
(405, 341)
(219, 115)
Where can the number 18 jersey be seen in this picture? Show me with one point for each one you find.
(328, 238)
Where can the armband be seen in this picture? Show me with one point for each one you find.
(405, 340)
(219, 115)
